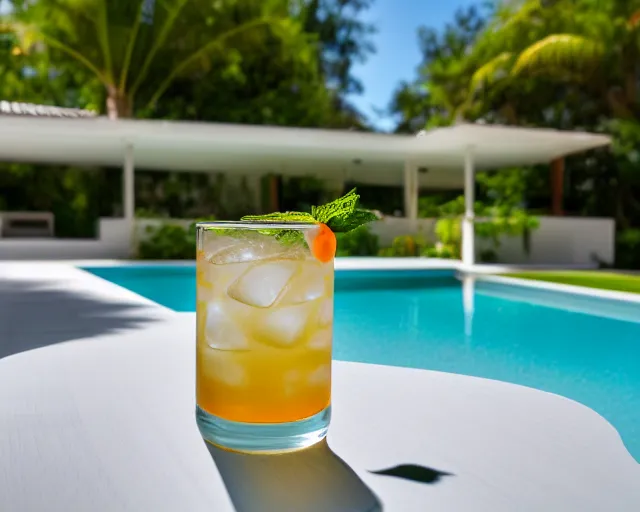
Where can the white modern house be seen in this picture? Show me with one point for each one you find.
(445, 158)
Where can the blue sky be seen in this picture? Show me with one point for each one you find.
(397, 54)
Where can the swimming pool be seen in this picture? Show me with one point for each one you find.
(584, 348)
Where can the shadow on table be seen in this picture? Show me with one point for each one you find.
(310, 480)
(34, 316)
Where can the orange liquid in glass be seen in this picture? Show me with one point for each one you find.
(259, 362)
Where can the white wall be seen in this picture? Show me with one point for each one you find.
(557, 241)
(112, 243)
(562, 240)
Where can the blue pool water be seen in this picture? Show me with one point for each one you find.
(583, 348)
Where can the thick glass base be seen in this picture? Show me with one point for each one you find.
(263, 437)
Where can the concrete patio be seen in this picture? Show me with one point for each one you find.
(96, 410)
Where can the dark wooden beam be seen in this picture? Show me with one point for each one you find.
(274, 193)
(557, 187)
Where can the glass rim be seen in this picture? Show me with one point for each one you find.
(254, 224)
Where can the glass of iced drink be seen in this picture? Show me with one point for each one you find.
(264, 333)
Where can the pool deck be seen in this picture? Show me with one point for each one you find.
(89, 369)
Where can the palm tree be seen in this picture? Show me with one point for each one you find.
(137, 48)
(595, 44)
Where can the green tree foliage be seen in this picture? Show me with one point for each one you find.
(30, 77)
(343, 39)
(434, 97)
(268, 84)
(136, 48)
(590, 45)
(77, 196)
(247, 61)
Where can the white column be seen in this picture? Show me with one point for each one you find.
(411, 191)
(468, 232)
(128, 197)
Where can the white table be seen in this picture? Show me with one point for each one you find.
(107, 424)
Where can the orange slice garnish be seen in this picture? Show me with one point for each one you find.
(322, 242)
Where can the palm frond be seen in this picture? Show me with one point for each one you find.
(521, 15)
(559, 52)
(158, 42)
(203, 50)
(131, 43)
(494, 70)
(29, 35)
(513, 23)
(102, 29)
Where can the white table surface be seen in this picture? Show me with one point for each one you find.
(107, 424)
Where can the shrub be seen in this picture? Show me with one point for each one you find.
(167, 242)
(488, 256)
(449, 233)
(628, 249)
(359, 242)
(504, 216)
(170, 242)
(440, 250)
(405, 246)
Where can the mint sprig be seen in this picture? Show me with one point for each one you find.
(341, 215)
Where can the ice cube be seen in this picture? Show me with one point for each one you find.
(222, 366)
(231, 373)
(203, 280)
(262, 283)
(321, 340)
(321, 375)
(309, 284)
(283, 326)
(255, 247)
(214, 244)
(222, 331)
(325, 314)
(291, 381)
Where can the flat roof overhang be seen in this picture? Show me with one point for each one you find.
(373, 158)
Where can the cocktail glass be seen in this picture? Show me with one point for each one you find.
(264, 335)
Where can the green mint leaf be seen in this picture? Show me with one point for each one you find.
(286, 236)
(281, 217)
(340, 208)
(290, 237)
(344, 224)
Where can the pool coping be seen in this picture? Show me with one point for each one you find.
(350, 263)
(62, 274)
(557, 287)
(486, 272)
